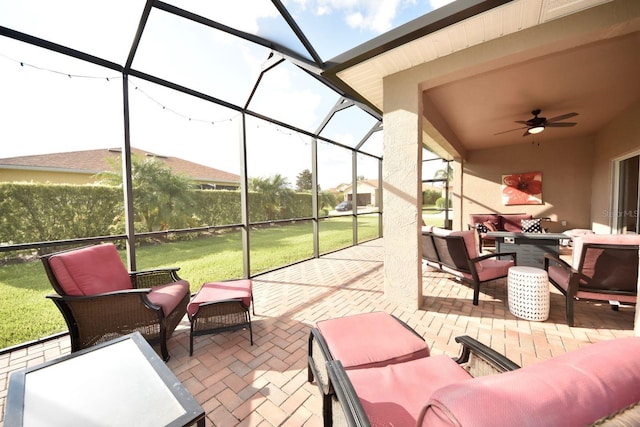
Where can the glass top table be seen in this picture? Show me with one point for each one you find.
(118, 383)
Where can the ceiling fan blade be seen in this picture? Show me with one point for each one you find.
(562, 117)
(510, 130)
(526, 132)
(521, 121)
(561, 125)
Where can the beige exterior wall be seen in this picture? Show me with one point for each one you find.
(19, 175)
(566, 167)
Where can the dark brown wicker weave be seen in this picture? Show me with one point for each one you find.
(98, 318)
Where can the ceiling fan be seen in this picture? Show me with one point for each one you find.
(537, 124)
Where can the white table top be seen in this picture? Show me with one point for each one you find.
(523, 269)
(119, 383)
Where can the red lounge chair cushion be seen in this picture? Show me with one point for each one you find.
(470, 241)
(613, 239)
(394, 395)
(488, 269)
(371, 339)
(576, 388)
(169, 296)
(90, 271)
(219, 291)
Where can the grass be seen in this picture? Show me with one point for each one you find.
(27, 314)
(433, 216)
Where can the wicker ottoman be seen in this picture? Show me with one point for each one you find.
(528, 293)
(220, 307)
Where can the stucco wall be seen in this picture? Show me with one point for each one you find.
(620, 138)
(566, 167)
(18, 175)
(402, 194)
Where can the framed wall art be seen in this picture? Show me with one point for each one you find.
(522, 189)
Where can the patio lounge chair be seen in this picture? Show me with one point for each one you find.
(604, 267)
(593, 385)
(359, 341)
(456, 252)
(100, 300)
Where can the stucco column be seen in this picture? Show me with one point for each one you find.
(402, 195)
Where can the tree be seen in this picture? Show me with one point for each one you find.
(445, 173)
(161, 199)
(326, 199)
(304, 181)
(275, 192)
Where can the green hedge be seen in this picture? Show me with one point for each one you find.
(40, 213)
(32, 212)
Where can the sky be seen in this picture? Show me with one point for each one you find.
(51, 103)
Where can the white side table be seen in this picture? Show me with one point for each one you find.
(528, 293)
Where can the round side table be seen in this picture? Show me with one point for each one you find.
(528, 293)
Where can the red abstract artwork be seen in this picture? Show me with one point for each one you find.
(522, 189)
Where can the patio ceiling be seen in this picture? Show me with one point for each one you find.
(505, 62)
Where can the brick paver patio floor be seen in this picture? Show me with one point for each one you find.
(266, 384)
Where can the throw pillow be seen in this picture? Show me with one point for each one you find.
(482, 228)
(490, 226)
(531, 225)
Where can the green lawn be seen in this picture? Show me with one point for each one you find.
(433, 216)
(27, 315)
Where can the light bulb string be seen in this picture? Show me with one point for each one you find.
(136, 87)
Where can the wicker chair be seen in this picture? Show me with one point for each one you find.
(100, 300)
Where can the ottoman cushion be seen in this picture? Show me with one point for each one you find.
(371, 339)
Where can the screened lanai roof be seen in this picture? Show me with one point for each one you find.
(261, 57)
(195, 45)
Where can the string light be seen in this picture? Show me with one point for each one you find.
(109, 78)
(284, 131)
(178, 113)
(51, 70)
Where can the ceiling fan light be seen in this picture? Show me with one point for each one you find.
(536, 129)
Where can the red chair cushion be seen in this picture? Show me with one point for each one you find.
(219, 291)
(576, 388)
(394, 395)
(371, 339)
(169, 296)
(90, 271)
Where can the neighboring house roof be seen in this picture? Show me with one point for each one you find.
(426, 187)
(96, 161)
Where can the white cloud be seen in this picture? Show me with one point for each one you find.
(435, 4)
